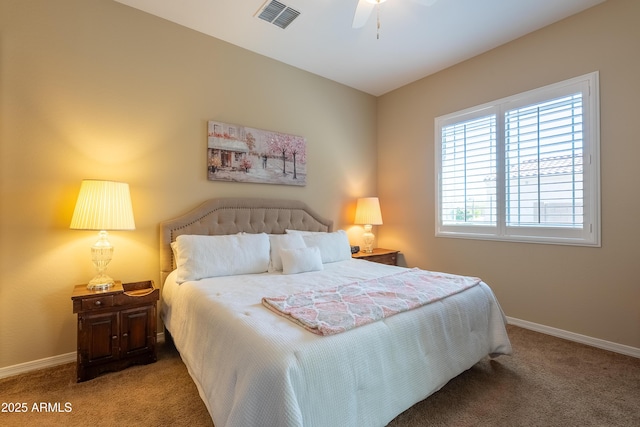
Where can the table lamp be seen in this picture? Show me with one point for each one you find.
(102, 206)
(368, 213)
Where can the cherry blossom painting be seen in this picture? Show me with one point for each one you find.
(243, 154)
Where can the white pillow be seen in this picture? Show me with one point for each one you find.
(333, 246)
(279, 242)
(198, 257)
(301, 260)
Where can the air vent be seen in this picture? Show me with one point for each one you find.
(277, 13)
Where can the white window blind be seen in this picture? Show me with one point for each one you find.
(468, 160)
(524, 168)
(544, 160)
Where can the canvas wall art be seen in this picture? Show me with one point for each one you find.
(243, 154)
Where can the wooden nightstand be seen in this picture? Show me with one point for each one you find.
(116, 327)
(382, 256)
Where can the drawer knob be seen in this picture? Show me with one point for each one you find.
(98, 303)
(115, 337)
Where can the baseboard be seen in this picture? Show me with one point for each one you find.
(47, 362)
(571, 336)
(34, 365)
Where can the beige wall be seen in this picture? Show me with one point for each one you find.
(588, 291)
(95, 89)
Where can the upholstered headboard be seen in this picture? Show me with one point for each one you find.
(233, 215)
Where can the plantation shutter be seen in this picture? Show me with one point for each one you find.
(468, 168)
(544, 164)
(525, 168)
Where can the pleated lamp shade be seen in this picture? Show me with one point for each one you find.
(103, 205)
(368, 211)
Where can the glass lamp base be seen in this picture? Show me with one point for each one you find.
(368, 238)
(101, 253)
(100, 283)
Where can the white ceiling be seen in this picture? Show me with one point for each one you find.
(415, 40)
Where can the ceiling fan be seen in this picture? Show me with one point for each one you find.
(365, 7)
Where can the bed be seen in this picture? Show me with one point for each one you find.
(254, 367)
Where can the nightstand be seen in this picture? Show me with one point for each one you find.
(116, 327)
(382, 256)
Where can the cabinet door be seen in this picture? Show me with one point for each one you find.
(98, 338)
(138, 330)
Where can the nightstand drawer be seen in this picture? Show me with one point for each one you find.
(379, 255)
(391, 259)
(96, 303)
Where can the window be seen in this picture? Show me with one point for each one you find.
(523, 168)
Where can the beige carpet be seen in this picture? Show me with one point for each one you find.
(547, 382)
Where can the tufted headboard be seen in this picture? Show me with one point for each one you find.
(233, 215)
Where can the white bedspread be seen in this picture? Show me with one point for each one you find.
(255, 368)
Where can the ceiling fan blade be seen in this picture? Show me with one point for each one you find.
(425, 2)
(363, 11)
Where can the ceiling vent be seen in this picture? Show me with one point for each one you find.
(277, 13)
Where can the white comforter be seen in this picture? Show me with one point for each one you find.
(255, 368)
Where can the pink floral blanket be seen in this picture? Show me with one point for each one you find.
(340, 308)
